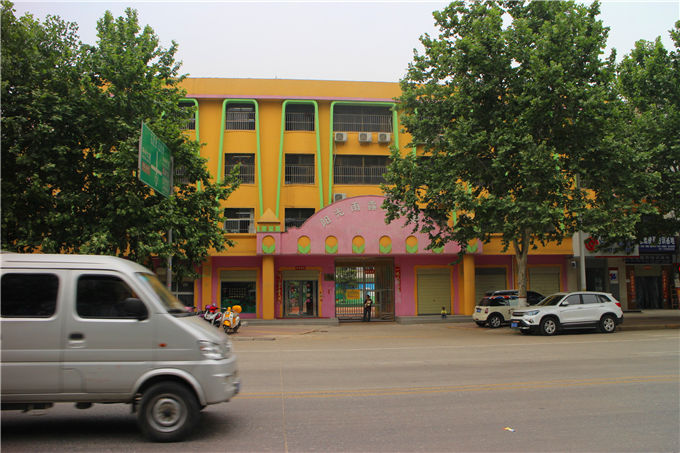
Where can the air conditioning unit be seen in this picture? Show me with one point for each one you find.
(340, 137)
(339, 196)
(384, 137)
(365, 137)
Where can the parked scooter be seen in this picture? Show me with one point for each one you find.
(211, 312)
(217, 320)
(232, 320)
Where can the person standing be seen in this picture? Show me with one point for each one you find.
(368, 304)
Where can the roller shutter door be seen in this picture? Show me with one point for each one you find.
(489, 279)
(544, 280)
(434, 290)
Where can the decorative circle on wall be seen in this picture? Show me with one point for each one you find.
(385, 245)
(331, 245)
(358, 244)
(268, 245)
(411, 244)
(304, 245)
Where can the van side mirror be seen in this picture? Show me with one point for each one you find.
(135, 308)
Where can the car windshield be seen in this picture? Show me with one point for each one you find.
(551, 300)
(169, 301)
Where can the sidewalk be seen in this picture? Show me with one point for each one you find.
(261, 329)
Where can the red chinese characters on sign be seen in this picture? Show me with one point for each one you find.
(665, 285)
(397, 276)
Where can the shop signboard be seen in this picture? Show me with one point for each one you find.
(653, 244)
(593, 248)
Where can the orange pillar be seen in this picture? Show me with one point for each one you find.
(468, 304)
(268, 287)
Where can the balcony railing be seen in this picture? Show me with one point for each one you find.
(240, 121)
(359, 175)
(299, 174)
(190, 124)
(246, 175)
(239, 226)
(350, 122)
(299, 121)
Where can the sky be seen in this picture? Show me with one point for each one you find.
(323, 40)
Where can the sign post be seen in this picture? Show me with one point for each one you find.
(155, 170)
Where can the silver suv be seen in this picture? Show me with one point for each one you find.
(577, 310)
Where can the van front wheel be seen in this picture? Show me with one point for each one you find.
(168, 412)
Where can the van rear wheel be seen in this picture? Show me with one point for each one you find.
(168, 412)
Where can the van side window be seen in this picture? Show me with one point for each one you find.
(29, 295)
(102, 296)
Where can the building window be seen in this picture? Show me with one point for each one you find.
(191, 122)
(295, 217)
(240, 117)
(239, 220)
(299, 168)
(300, 117)
(184, 291)
(353, 118)
(247, 166)
(360, 169)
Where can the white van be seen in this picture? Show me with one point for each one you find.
(100, 329)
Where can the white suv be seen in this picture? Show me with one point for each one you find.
(496, 307)
(578, 310)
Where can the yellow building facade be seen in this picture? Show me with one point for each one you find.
(309, 233)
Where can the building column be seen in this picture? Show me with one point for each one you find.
(468, 305)
(268, 287)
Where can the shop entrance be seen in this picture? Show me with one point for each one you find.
(300, 293)
(354, 280)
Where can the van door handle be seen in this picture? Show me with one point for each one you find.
(76, 336)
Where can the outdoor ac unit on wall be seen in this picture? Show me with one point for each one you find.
(340, 137)
(384, 137)
(339, 196)
(365, 137)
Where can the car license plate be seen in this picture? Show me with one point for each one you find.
(514, 324)
(479, 310)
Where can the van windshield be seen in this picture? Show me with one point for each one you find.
(170, 302)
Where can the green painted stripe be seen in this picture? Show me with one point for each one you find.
(195, 102)
(318, 149)
(220, 169)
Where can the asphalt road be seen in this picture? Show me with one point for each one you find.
(386, 387)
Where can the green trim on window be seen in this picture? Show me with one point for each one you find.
(258, 161)
(395, 132)
(318, 149)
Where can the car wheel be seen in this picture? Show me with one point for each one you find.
(495, 321)
(548, 326)
(607, 324)
(168, 412)
(480, 323)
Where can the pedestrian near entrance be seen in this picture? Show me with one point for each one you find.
(368, 303)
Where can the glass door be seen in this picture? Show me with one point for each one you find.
(300, 298)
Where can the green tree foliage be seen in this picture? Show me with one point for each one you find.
(72, 115)
(649, 80)
(510, 103)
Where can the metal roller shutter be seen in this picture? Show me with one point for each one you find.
(238, 276)
(489, 279)
(434, 290)
(544, 280)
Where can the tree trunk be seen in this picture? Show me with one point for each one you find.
(521, 257)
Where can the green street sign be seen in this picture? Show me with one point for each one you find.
(155, 162)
